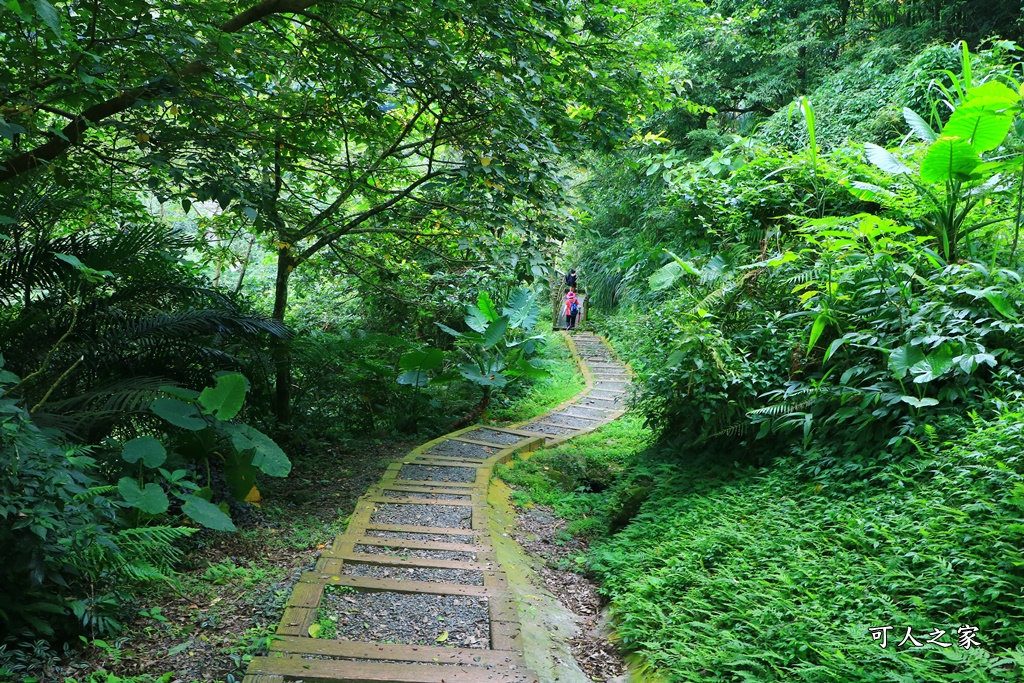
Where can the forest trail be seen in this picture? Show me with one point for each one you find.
(412, 592)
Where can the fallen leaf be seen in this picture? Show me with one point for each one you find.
(443, 637)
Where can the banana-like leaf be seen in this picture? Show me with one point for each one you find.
(495, 332)
(984, 128)
(179, 413)
(949, 159)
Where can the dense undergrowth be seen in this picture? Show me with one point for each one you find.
(727, 572)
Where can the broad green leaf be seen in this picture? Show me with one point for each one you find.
(475, 319)
(992, 92)
(866, 192)
(522, 310)
(493, 378)
(486, 306)
(314, 630)
(948, 159)
(414, 378)
(49, 15)
(984, 129)
(240, 474)
(267, 455)
(816, 330)
(524, 368)
(919, 402)
(145, 448)
(934, 365)
(178, 392)
(1001, 304)
(665, 277)
(904, 358)
(884, 160)
(152, 500)
(179, 413)
(449, 330)
(207, 514)
(918, 125)
(225, 399)
(495, 332)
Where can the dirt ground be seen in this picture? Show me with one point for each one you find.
(543, 535)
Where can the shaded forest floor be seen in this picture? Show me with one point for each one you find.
(227, 600)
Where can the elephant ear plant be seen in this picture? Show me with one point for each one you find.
(967, 161)
(497, 347)
(204, 428)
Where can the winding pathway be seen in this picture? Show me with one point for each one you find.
(412, 590)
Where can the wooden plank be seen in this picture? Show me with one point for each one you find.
(419, 501)
(374, 585)
(339, 671)
(417, 545)
(296, 621)
(506, 635)
(454, 459)
(496, 581)
(442, 461)
(260, 678)
(408, 653)
(503, 609)
(426, 529)
(425, 489)
(432, 482)
(306, 595)
(398, 561)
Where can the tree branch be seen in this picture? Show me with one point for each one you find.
(74, 132)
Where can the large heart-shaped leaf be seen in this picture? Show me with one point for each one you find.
(949, 159)
(207, 514)
(179, 413)
(904, 358)
(152, 500)
(417, 364)
(475, 319)
(984, 128)
(267, 455)
(919, 402)
(225, 399)
(427, 359)
(934, 365)
(145, 448)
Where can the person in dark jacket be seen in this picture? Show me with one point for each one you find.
(570, 278)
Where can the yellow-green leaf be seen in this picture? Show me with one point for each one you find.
(314, 630)
(443, 637)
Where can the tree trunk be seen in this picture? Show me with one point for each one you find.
(282, 349)
(245, 265)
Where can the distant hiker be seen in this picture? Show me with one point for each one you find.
(572, 309)
(570, 278)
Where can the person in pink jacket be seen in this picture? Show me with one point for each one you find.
(572, 309)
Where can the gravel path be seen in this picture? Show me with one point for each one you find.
(428, 496)
(417, 536)
(410, 619)
(569, 421)
(546, 429)
(462, 449)
(457, 555)
(447, 516)
(428, 473)
(493, 436)
(469, 577)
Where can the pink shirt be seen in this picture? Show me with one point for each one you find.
(569, 298)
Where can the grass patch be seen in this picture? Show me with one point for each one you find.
(582, 479)
(532, 398)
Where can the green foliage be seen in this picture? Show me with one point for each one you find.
(733, 573)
